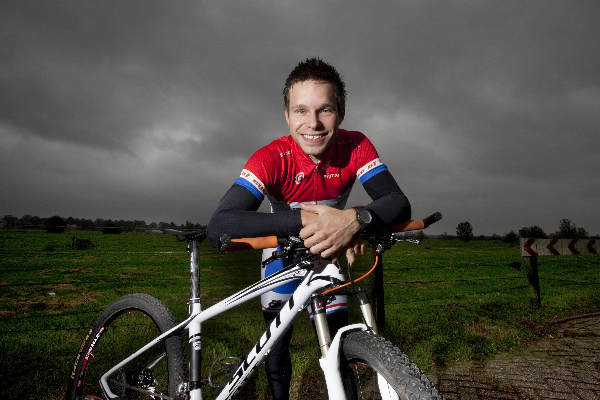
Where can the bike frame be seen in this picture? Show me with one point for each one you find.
(315, 275)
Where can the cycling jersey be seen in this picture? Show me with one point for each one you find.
(288, 177)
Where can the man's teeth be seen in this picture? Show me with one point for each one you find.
(312, 137)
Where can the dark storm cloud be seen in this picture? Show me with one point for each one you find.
(485, 110)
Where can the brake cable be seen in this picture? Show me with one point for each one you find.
(357, 279)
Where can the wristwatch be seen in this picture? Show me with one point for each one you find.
(363, 216)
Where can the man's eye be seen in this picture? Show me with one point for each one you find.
(300, 111)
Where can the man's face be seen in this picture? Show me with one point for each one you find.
(312, 116)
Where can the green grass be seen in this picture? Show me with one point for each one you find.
(446, 301)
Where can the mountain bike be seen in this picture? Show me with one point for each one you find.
(356, 362)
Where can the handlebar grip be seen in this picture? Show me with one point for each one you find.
(417, 224)
(433, 218)
(262, 242)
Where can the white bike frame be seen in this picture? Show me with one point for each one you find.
(314, 278)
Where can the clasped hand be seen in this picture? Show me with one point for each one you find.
(329, 232)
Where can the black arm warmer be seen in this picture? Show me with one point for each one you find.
(390, 206)
(236, 213)
(236, 216)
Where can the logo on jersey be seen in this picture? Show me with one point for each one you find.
(369, 169)
(299, 178)
(253, 180)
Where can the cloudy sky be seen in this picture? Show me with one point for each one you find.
(488, 111)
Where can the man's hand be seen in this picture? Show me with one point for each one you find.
(357, 249)
(326, 230)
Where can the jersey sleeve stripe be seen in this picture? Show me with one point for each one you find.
(370, 169)
(244, 183)
(248, 180)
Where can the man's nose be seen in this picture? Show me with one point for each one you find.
(314, 121)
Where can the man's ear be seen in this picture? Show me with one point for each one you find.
(340, 120)
(286, 113)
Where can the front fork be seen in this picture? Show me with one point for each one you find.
(318, 303)
(330, 349)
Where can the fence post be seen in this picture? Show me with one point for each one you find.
(531, 269)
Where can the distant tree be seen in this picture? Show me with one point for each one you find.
(464, 230)
(86, 224)
(9, 221)
(25, 220)
(36, 221)
(569, 230)
(532, 232)
(55, 224)
(511, 237)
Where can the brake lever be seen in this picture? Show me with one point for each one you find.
(292, 244)
(396, 238)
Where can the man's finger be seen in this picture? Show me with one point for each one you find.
(350, 256)
(314, 208)
(308, 231)
(326, 251)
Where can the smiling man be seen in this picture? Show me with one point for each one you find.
(307, 177)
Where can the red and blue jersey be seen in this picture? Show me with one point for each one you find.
(289, 177)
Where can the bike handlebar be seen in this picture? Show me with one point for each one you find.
(417, 224)
(263, 242)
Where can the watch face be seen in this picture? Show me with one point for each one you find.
(364, 216)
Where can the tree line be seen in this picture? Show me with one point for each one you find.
(566, 230)
(57, 224)
(464, 230)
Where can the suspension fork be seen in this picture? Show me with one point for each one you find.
(366, 309)
(318, 303)
(194, 328)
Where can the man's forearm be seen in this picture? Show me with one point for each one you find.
(236, 216)
(389, 206)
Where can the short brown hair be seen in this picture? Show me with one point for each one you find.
(316, 69)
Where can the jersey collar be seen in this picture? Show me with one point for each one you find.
(329, 153)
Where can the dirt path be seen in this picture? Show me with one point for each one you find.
(563, 367)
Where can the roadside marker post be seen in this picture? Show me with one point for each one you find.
(531, 248)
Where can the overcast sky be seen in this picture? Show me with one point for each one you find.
(488, 111)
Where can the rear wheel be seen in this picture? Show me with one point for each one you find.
(122, 328)
(381, 371)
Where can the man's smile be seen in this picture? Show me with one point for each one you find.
(314, 138)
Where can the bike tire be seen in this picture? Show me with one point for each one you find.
(368, 355)
(122, 328)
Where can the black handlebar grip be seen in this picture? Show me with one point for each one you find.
(224, 241)
(435, 217)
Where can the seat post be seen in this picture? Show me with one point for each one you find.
(194, 328)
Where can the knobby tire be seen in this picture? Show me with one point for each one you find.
(122, 328)
(368, 354)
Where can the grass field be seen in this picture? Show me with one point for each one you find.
(446, 301)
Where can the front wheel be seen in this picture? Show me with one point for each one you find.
(122, 328)
(381, 371)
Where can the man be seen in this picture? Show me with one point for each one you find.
(307, 177)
